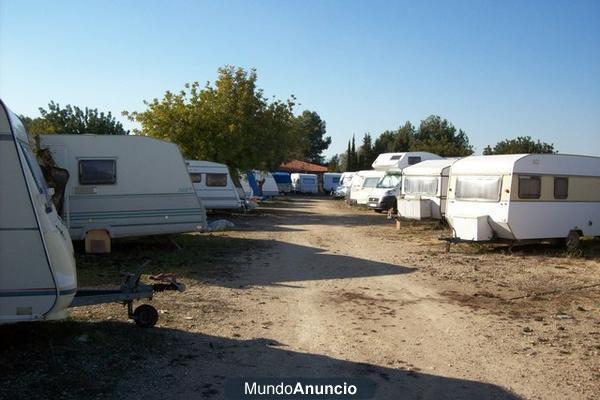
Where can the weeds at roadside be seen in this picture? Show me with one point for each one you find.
(71, 359)
(200, 256)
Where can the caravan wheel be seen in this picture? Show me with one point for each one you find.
(145, 316)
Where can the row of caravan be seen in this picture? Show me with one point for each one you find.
(517, 197)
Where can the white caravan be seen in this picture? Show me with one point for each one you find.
(304, 183)
(283, 181)
(269, 186)
(331, 181)
(37, 270)
(344, 184)
(364, 185)
(121, 185)
(524, 197)
(399, 161)
(384, 197)
(424, 189)
(214, 185)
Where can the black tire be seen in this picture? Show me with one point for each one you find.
(145, 316)
(378, 211)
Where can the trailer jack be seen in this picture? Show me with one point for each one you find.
(145, 315)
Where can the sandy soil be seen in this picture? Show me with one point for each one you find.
(334, 291)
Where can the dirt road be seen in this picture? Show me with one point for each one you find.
(335, 292)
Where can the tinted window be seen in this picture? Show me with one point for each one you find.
(482, 188)
(561, 188)
(97, 172)
(530, 187)
(216, 179)
(395, 157)
(414, 160)
(196, 177)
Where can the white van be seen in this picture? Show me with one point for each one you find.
(362, 186)
(345, 180)
(383, 196)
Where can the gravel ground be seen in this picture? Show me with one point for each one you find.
(310, 287)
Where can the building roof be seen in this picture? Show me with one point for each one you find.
(302, 166)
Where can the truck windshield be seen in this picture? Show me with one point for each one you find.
(370, 182)
(389, 181)
(478, 188)
(421, 185)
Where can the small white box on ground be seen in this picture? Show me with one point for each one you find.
(473, 228)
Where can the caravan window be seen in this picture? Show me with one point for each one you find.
(478, 188)
(394, 158)
(216, 179)
(414, 160)
(421, 185)
(530, 187)
(196, 177)
(561, 187)
(389, 181)
(97, 172)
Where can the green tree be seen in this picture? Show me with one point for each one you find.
(334, 164)
(73, 120)
(396, 141)
(520, 145)
(229, 122)
(348, 158)
(439, 136)
(351, 156)
(312, 129)
(366, 153)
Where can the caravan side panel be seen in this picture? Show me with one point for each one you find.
(37, 271)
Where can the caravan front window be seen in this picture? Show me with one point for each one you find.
(97, 172)
(421, 185)
(216, 179)
(478, 188)
(389, 181)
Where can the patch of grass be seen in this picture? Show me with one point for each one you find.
(72, 360)
(187, 255)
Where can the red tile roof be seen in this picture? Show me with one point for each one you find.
(302, 166)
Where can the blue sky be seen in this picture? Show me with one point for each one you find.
(496, 69)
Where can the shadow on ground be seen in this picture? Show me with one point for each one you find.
(222, 260)
(82, 360)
